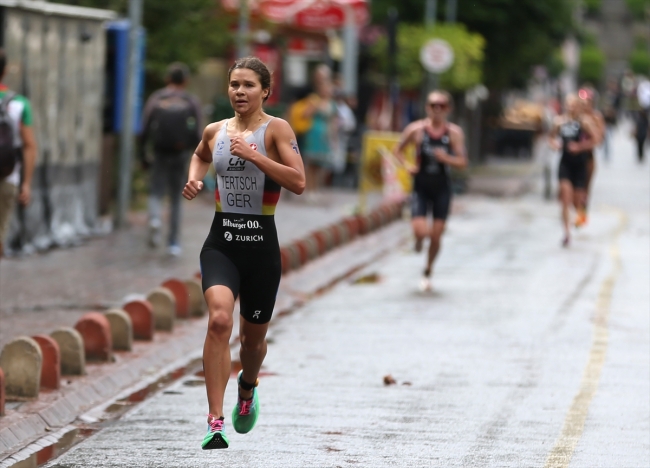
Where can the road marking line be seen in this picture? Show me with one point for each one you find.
(574, 424)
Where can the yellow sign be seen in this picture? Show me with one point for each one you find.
(380, 170)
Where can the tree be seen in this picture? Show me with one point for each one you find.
(187, 31)
(468, 56)
(518, 33)
(592, 64)
(638, 8)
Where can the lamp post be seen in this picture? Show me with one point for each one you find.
(243, 31)
(126, 137)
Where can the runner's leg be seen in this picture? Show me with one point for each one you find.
(251, 352)
(566, 198)
(420, 231)
(216, 350)
(434, 244)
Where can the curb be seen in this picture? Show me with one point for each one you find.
(92, 337)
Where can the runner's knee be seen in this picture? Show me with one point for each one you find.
(252, 345)
(220, 322)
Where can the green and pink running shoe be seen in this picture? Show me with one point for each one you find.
(246, 412)
(216, 436)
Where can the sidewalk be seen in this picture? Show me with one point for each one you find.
(42, 292)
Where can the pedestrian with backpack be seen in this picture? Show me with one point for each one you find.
(17, 152)
(171, 125)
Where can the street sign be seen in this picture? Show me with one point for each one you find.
(436, 56)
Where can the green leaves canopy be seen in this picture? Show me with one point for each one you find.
(177, 30)
(518, 33)
(468, 51)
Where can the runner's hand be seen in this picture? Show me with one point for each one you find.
(192, 189)
(240, 147)
(554, 144)
(25, 195)
(440, 154)
(573, 147)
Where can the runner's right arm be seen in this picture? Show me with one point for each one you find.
(407, 138)
(200, 162)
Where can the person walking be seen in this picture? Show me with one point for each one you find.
(171, 122)
(577, 137)
(641, 128)
(17, 151)
(254, 155)
(440, 146)
(321, 139)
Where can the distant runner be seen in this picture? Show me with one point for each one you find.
(440, 145)
(577, 138)
(587, 96)
(254, 155)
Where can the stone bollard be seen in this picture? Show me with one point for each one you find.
(294, 256)
(2, 393)
(196, 299)
(121, 329)
(51, 368)
(285, 258)
(164, 308)
(352, 224)
(96, 333)
(179, 290)
(71, 346)
(21, 359)
(142, 319)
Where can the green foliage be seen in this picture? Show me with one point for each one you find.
(518, 33)
(188, 31)
(638, 8)
(592, 6)
(555, 64)
(640, 61)
(468, 52)
(592, 65)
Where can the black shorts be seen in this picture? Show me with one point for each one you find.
(436, 202)
(574, 169)
(251, 272)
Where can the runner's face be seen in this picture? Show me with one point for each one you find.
(437, 107)
(245, 91)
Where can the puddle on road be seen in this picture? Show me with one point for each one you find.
(46, 454)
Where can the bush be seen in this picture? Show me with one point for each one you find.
(592, 7)
(592, 65)
(638, 7)
(466, 71)
(640, 62)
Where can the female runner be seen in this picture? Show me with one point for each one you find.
(254, 156)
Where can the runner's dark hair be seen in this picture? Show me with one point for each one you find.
(255, 64)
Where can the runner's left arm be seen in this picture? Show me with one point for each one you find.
(289, 171)
(459, 159)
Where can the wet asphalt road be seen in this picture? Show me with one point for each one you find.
(525, 355)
